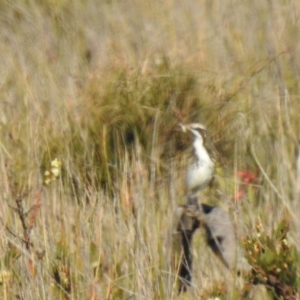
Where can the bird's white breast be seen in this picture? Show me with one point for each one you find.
(199, 175)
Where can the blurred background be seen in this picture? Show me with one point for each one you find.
(101, 86)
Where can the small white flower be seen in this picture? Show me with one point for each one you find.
(55, 171)
(55, 163)
(55, 167)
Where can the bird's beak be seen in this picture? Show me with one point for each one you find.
(202, 127)
(184, 128)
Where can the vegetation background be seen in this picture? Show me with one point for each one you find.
(101, 86)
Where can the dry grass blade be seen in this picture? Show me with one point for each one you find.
(91, 97)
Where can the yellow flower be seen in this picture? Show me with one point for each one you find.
(55, 167)
(53, 173)
(56, 163)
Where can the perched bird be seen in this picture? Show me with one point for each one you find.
(200, 171)
(217, 223)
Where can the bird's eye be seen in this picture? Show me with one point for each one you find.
(201, 131)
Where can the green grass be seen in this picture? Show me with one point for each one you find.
(101, 86)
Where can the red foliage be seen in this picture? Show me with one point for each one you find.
(247, 178)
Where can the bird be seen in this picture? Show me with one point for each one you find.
(216, 222)
(200, 170)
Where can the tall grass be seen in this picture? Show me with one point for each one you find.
(102, 86)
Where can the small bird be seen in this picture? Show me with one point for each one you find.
(217, 223)
(200, 172)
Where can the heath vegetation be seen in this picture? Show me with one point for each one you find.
(91, 157)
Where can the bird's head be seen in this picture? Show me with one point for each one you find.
(198, 130)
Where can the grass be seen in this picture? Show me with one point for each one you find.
(102, 87)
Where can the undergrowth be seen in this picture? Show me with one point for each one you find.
(92, 161)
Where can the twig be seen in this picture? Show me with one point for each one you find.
(35, 209)
(27, 225)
